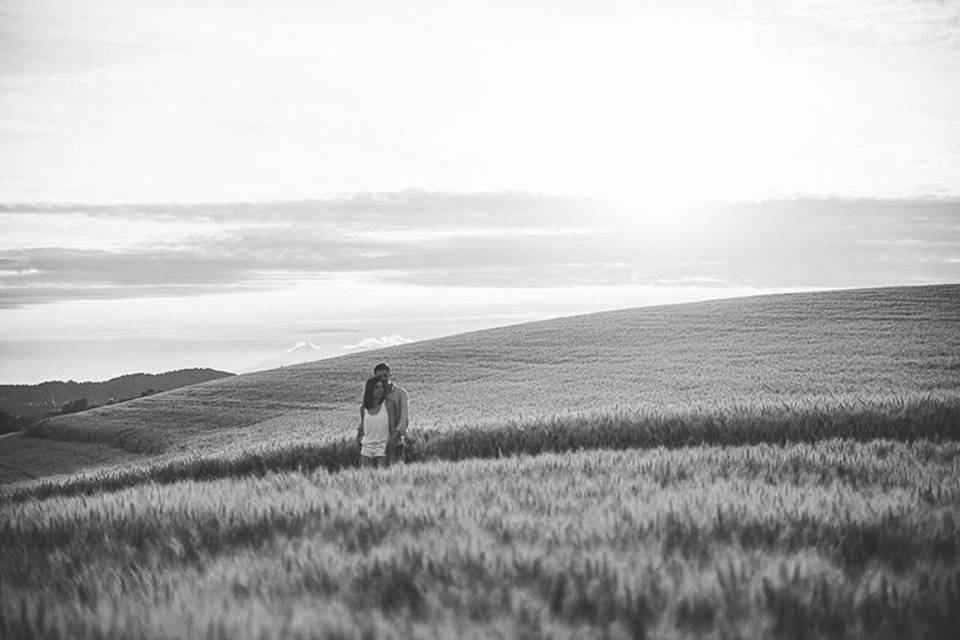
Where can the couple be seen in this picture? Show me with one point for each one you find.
(383, 420)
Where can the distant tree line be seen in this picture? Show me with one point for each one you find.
(84, 404)
(74, 407)
(10, 423)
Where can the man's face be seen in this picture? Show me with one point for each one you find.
(384, 375)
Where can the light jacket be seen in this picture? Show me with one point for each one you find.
(397, 398)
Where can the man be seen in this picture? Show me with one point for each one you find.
(396, 398)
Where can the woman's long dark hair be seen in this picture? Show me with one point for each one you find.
(368, 401)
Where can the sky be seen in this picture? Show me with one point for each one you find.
(206, 183)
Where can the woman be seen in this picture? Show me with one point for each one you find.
(377, 424)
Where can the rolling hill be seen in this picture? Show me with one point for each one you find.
(36, 400)
(887, 344)
(780, 466)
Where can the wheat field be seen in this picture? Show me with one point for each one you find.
(830, 539)
(778, 350)
(782, 466)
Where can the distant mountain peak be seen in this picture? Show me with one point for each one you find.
(299, 353)
(302, 346)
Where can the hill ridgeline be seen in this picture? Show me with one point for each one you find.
(766, 352)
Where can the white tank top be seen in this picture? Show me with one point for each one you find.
(376, 432)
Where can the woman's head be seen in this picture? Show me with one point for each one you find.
(373, 392)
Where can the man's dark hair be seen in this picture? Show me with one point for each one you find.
(368, 392)
(380, 367)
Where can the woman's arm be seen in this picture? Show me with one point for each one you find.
(360, 428)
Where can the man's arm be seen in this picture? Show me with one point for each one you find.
(404, 413)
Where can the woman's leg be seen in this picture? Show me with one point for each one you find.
(367, 461)
(382, 461)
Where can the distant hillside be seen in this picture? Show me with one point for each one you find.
(770, 351)
(38, 400)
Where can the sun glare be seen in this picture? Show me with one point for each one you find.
(671, 113)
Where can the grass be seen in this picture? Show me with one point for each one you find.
(930, 417)
(831, 539)
(842, 346)
(33, 458)
(785, 466)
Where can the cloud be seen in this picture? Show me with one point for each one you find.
(110, 251)
(899, 21)
(377, 343)
(473, 240)
(196, 101)
(38, 38)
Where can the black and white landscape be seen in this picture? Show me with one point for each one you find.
(673, 289)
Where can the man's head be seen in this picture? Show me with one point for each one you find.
(382, 371)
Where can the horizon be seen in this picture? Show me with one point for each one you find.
(199, 184)
(91, 292)
(306, 344)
